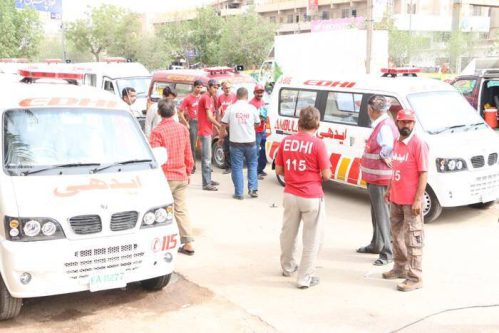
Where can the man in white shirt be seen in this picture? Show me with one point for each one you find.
(241, 118)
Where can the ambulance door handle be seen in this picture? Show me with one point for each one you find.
(352, 140)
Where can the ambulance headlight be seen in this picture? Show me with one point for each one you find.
(28, 229)
(450, 164)
(158, 216)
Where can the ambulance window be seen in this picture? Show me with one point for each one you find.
(108, 86)
(465, 86)
(183, 89)
(305, 98)
(343, 107)
(287, 102)
(90, 80)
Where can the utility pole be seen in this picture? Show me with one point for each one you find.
(63, 37)
(369, 35)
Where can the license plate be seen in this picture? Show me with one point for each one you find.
(107, 280)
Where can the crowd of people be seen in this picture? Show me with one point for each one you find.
(394, 166)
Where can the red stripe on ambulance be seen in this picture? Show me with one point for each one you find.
(334, 159)
(353, 174)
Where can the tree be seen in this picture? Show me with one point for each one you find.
(246, 39)
(106, 29)
(20, 31)
(205, 33)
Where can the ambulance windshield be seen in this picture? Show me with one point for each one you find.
(441, 111)
(79, 138)
(140, 84)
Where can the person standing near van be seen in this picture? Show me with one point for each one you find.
(261, 135)
(226, 99)
(129, 96)
(175, 138)
(405, 193)
(188, 115)
(303, 161)
(152, 116)
(377, 172)
(206, 121)
(241, 119)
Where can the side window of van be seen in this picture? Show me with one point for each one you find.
(343, 107)
(90, 80)
(108, 86)
(465, 86)
(292, 101)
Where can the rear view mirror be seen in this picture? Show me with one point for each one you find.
(160, 155)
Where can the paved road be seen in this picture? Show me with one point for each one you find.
(233, 283)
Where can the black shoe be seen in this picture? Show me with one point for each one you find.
(210, 188)
(260, 177)
(253, 193)
(226, 171)
(214, 183)
(238, 197)
(263, 173)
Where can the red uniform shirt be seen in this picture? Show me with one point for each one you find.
(190, 104)
(175, 138)
(224, 101)
(258, 104)
(303, 158)
(206, 102)
(409, 157)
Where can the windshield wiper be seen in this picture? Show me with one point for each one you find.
(444, 129)
(66, 165)
(120, 163)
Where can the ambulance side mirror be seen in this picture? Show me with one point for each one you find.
(160, 155)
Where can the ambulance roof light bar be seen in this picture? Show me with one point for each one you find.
(31, 75)
(403, 71)
(115, 59)
(14, 60)
(219, 70)
(53, 61)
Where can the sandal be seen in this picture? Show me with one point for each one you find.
(185, 251)
(381, 262)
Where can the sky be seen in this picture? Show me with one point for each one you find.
(75, 9)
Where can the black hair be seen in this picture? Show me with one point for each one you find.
(126, 91)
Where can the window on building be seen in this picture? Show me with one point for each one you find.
(345, 12)
(411, 8)
(272, 19)
(281, 19)
(297, 18)
(477, 11)
(306, 18)
(290, 19)
(354, 12)
(325, 15)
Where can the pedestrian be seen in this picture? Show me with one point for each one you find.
(152, 116)
(175, 138)
(188, 115)
(241, 119)
(226, 99)
(206, 122)
(129, 96)
(377, 172)
(303, 161)
(405, 193)
(261, 135)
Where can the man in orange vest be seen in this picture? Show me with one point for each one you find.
(377, 172)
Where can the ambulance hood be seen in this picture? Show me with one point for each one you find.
(64, 196)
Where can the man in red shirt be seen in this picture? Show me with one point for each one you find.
(406, 189)
(303, 161)
(258, 103)
(188, 115)
(224, 101)
(206, 121)
(175, 138)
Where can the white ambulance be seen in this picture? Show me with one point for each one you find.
(83, 200)
(464, 167)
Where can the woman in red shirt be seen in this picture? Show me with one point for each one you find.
(303, 161)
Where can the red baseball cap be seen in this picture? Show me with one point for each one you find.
(259, 87)
(406, 114)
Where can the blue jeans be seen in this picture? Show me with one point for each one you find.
(261, 138)
(206, 159)
(237, 156)
(193, 136)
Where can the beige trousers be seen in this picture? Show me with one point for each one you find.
(313, 214)
(408, 241)
(179, 189)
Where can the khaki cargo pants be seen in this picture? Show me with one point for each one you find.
(179, 189)
(408, 241)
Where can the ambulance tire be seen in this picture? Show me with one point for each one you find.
(483, 205)
(9, 306)
(280, 179)
(431, 206)
(217, 155)
(156, 283)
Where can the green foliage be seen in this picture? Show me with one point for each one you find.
(205, 33)
(109, 29)
(20, 31)
(406, 45)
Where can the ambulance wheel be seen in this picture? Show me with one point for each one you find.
(156, 283)
(218, 157)
(9, 306)
(483, 205)
(280, 179)
(431, 206)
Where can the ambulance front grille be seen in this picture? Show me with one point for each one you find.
(86, 224)
(124, 220)
(492, 159)
(477, 161)
(85, 262)
(485, 184)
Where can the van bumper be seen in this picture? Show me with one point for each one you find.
(466, 188)
(65, 266)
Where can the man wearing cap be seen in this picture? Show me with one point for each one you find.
(405, 193)
(376, 172)
(226, 99)
(206, 121)
(188, 114)
(258, 103)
